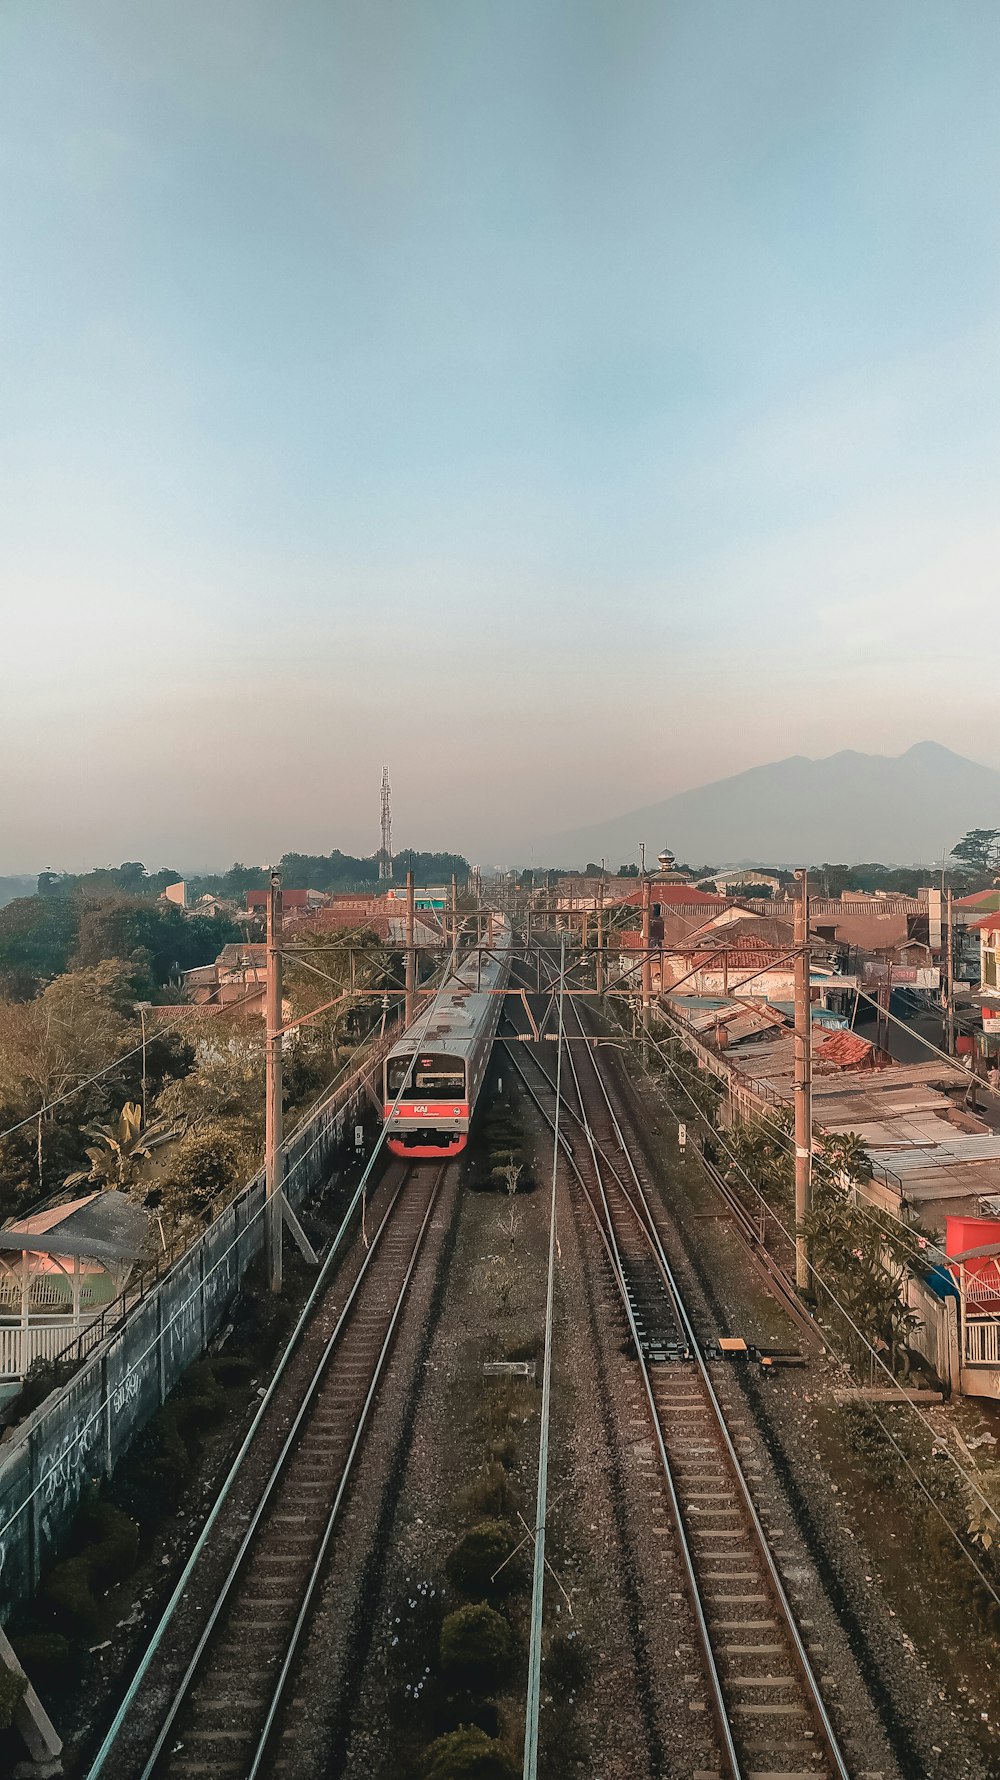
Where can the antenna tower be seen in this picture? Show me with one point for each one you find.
(385, 856)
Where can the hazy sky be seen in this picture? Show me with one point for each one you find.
(567, 403)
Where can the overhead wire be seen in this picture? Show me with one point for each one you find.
(966, 1476)
(109, 1069)
(193, 1294)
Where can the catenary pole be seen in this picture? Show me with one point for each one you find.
(410, 961)
(951, 974)
(272, 1115)
(803, 1086)
(647, 966)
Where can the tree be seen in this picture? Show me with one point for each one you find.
(37, 937)
(155, 942)
(978, 852)
(224, 1094)
(77, 1025)
(199, 1172)
(119, 1149)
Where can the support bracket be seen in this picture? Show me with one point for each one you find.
(41, 1739)
(305, 1247)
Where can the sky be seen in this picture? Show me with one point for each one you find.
(566, 402)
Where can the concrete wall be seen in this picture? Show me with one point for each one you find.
(81, 1431)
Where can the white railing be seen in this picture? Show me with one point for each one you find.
(982, 1341)
(40, 1341)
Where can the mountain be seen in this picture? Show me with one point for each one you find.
(849, 809)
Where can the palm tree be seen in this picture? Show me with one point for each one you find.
(118, 1149)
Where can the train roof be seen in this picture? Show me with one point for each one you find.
(458, 1009)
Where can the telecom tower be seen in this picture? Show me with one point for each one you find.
(385, 856)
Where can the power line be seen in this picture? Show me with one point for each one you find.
(831, 1294)
(109, 1069)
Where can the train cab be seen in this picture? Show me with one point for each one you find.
(432, 1114)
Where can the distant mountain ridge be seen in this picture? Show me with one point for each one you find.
(849, 809)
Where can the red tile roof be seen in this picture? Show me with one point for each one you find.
(672, 896)
(846, 1050)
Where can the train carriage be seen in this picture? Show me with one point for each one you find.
(434, 1074)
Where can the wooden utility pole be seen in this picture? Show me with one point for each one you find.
(951, 974)
(803, 1085)
(272, 1111)
(410, 959)
(647, 965)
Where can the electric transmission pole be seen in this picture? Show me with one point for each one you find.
(803, 1084)
(410, 959)
(385, 856)
(273, 1146)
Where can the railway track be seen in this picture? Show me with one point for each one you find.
(770, 1718)
(234, 1713)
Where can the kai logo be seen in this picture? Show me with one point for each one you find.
(418, 1108)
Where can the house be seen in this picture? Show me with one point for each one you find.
(435, 896)
(237, 980)
(294, 903)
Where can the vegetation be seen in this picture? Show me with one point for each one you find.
(119, 1148)
(861, 1256)
(480, 1564)
(468, 1754)
(976, 863)
(978, 854)
(476, 1646)
(11, 1694)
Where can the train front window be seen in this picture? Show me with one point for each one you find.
(438, 1077)
(396, 1075)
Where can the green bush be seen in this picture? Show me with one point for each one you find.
(231, 1369)
(162, 1460)
(11, 1693)
(111, 1542)
(491, 1495)
(104, 1549)
(468, 1754)
(473, 1563)
(41, 1378)
(476, 1646)
(46, 1656)
(504, 1451)
(69, 1595)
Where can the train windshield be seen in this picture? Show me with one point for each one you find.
(435, 1076)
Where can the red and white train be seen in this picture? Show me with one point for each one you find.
(434, 1075)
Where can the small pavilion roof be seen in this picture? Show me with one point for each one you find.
(101, 1226)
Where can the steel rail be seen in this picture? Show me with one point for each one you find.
(652, 1235)
(334, 1515)
(723, 1727)
(267, 1495)
(647, 1227)
(605, 1226)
